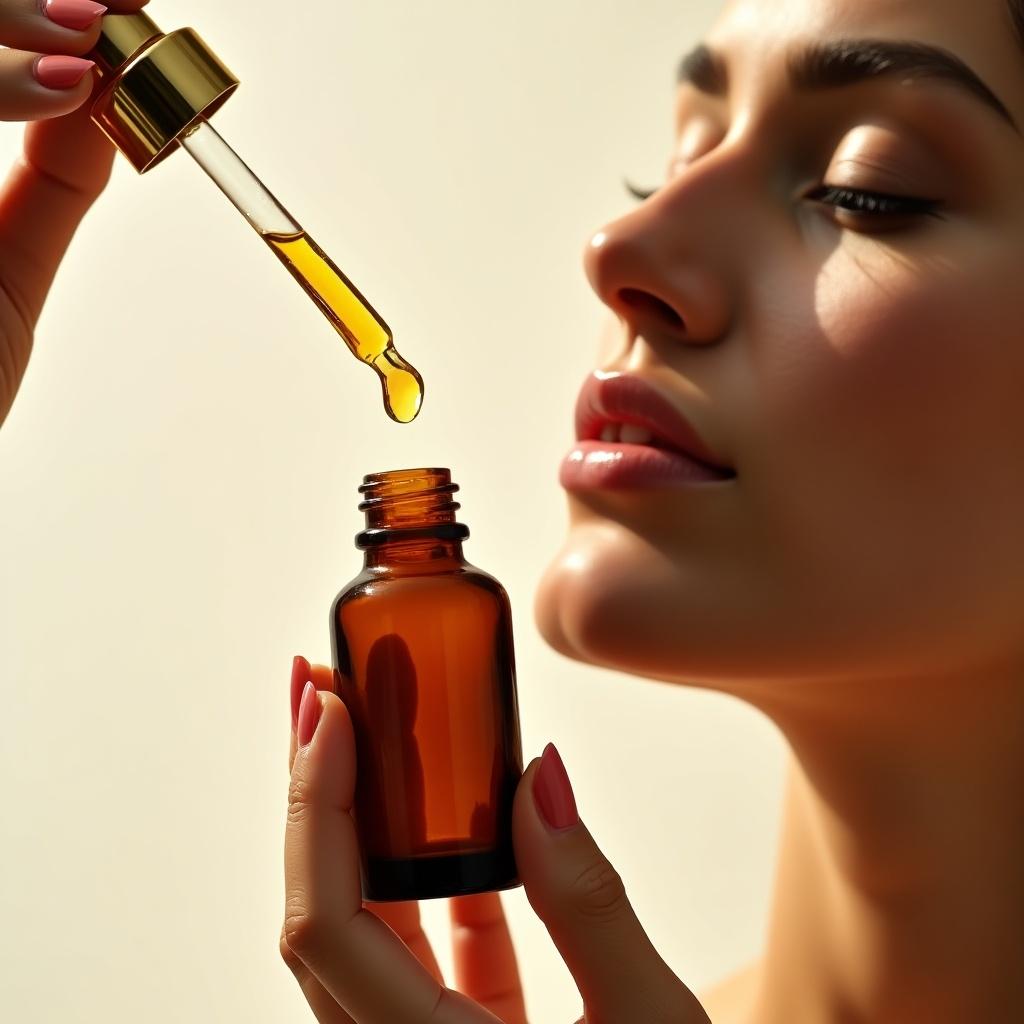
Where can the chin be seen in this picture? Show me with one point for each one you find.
(613, 599)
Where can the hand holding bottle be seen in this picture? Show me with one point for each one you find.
(66, 160)
(370, 963)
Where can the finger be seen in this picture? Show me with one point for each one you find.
(403, 918)
(58, 26)
(65, 165)
(581, 899)
(33, 88)
(51, 26)
(358, 959)
(321, 676)
(321, 1002)
(485, 959)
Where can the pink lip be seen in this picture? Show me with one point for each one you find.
(677, 456)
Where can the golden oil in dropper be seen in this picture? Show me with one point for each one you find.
(366, 334)
(156, 92)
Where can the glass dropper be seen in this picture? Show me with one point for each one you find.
(367, 335)
(157, 89)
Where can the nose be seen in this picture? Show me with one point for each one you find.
(656, 270)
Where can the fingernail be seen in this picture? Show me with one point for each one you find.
(309, 714)
(552, 791)
(76, 14)
(62, 72)
(300, 675)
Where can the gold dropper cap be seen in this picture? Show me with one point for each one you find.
(154, 87)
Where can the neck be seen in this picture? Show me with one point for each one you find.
(425, 555)
(899, 887)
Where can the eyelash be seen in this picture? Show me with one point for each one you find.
(639, 193)
(875, 204)
(852, 200)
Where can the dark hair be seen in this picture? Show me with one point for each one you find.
(1017, 13)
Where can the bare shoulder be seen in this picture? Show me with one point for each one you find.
(731, 1000)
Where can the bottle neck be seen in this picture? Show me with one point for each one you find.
(409, 557)
(410, 521)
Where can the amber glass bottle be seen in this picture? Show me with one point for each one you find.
(423, 660)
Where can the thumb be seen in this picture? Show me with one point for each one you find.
(64, 167)
(582, 901)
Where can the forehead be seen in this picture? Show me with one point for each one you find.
(756, 35)
(819, 17)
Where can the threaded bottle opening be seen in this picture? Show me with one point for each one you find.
(409, 504)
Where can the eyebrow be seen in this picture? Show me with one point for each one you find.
(849, 62)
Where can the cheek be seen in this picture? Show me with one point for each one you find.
(892, 423)
(913, 375)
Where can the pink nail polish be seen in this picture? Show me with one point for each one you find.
(552, 791)
(76, 14)
(300, 676)
(61, 72)
(309, 714)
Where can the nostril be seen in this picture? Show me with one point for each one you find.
(652, 307)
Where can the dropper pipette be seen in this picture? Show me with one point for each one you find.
(367, 335)
(157, 91)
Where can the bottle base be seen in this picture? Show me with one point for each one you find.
(433, 876)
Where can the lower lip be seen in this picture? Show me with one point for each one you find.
(599, 465)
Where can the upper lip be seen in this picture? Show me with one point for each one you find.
(622, 398)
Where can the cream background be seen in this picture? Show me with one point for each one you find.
(177, 499)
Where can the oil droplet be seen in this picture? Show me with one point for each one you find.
(403, 386)
(368, 337)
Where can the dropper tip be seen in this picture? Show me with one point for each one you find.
(402, 386)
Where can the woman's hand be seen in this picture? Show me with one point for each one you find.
(65, 164)
(371, 964)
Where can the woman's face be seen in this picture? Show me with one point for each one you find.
(861, 370)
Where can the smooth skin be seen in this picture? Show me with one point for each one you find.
(862, 580)
(64, 167)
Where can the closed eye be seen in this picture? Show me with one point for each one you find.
(876, 204)
(852, 200)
